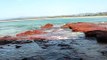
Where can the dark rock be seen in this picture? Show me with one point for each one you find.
(104, 53)
(1, 47)
(22, 41)
(34, 58)
(3, 42)
(65, 46)
(39, 39)
(43, 47)
(24, 59)
(101, 36)
(46, 45)
(7, 39)
(8, 45)
(77, 59)
(69, 58)
(94, 33)
(17, 46)
(62, 45)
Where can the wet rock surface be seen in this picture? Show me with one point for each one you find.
(101, 36)
(4, 42)
(98, 30)
(47, 26)
(58, 44)
(84, 27)
(30, 32)
(7, 40)
(69, 49)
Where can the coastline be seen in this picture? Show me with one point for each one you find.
(89, 17)
(45, 18)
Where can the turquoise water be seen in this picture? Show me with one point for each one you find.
(11, 28)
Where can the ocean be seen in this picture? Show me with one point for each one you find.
(62, 43)
(14, 27)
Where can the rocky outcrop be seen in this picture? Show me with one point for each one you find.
(98, 31)
(90, 30)
(101, 36)
(47, 26)
(31, 35)
(13, 40)
(7, 40)
(30, 32)
(67, 25)
(94, 33)
(84, 27)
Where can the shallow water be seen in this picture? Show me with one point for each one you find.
(11, 28)
(62, 44)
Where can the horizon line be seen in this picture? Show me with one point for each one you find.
(71, 15)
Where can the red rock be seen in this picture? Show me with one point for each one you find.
(84, 27)
(38, 32)
(67, 25)
(13, 40)
(31, 32)
(8, 38)
(47, 26)
(79, 24)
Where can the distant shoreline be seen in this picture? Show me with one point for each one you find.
(44, 18)
(90, 17)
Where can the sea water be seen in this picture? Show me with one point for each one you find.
(12, 28)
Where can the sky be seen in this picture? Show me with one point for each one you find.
(36, 8)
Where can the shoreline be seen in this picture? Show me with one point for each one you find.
(45, 18)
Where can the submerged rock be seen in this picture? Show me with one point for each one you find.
(47, 26)
(22, 41)
(34, 58)
(65, 46)
(3, 42)
(17, 46)
(104, 53)
(69, 58)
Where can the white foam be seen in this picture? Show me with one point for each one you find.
(62, 34)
